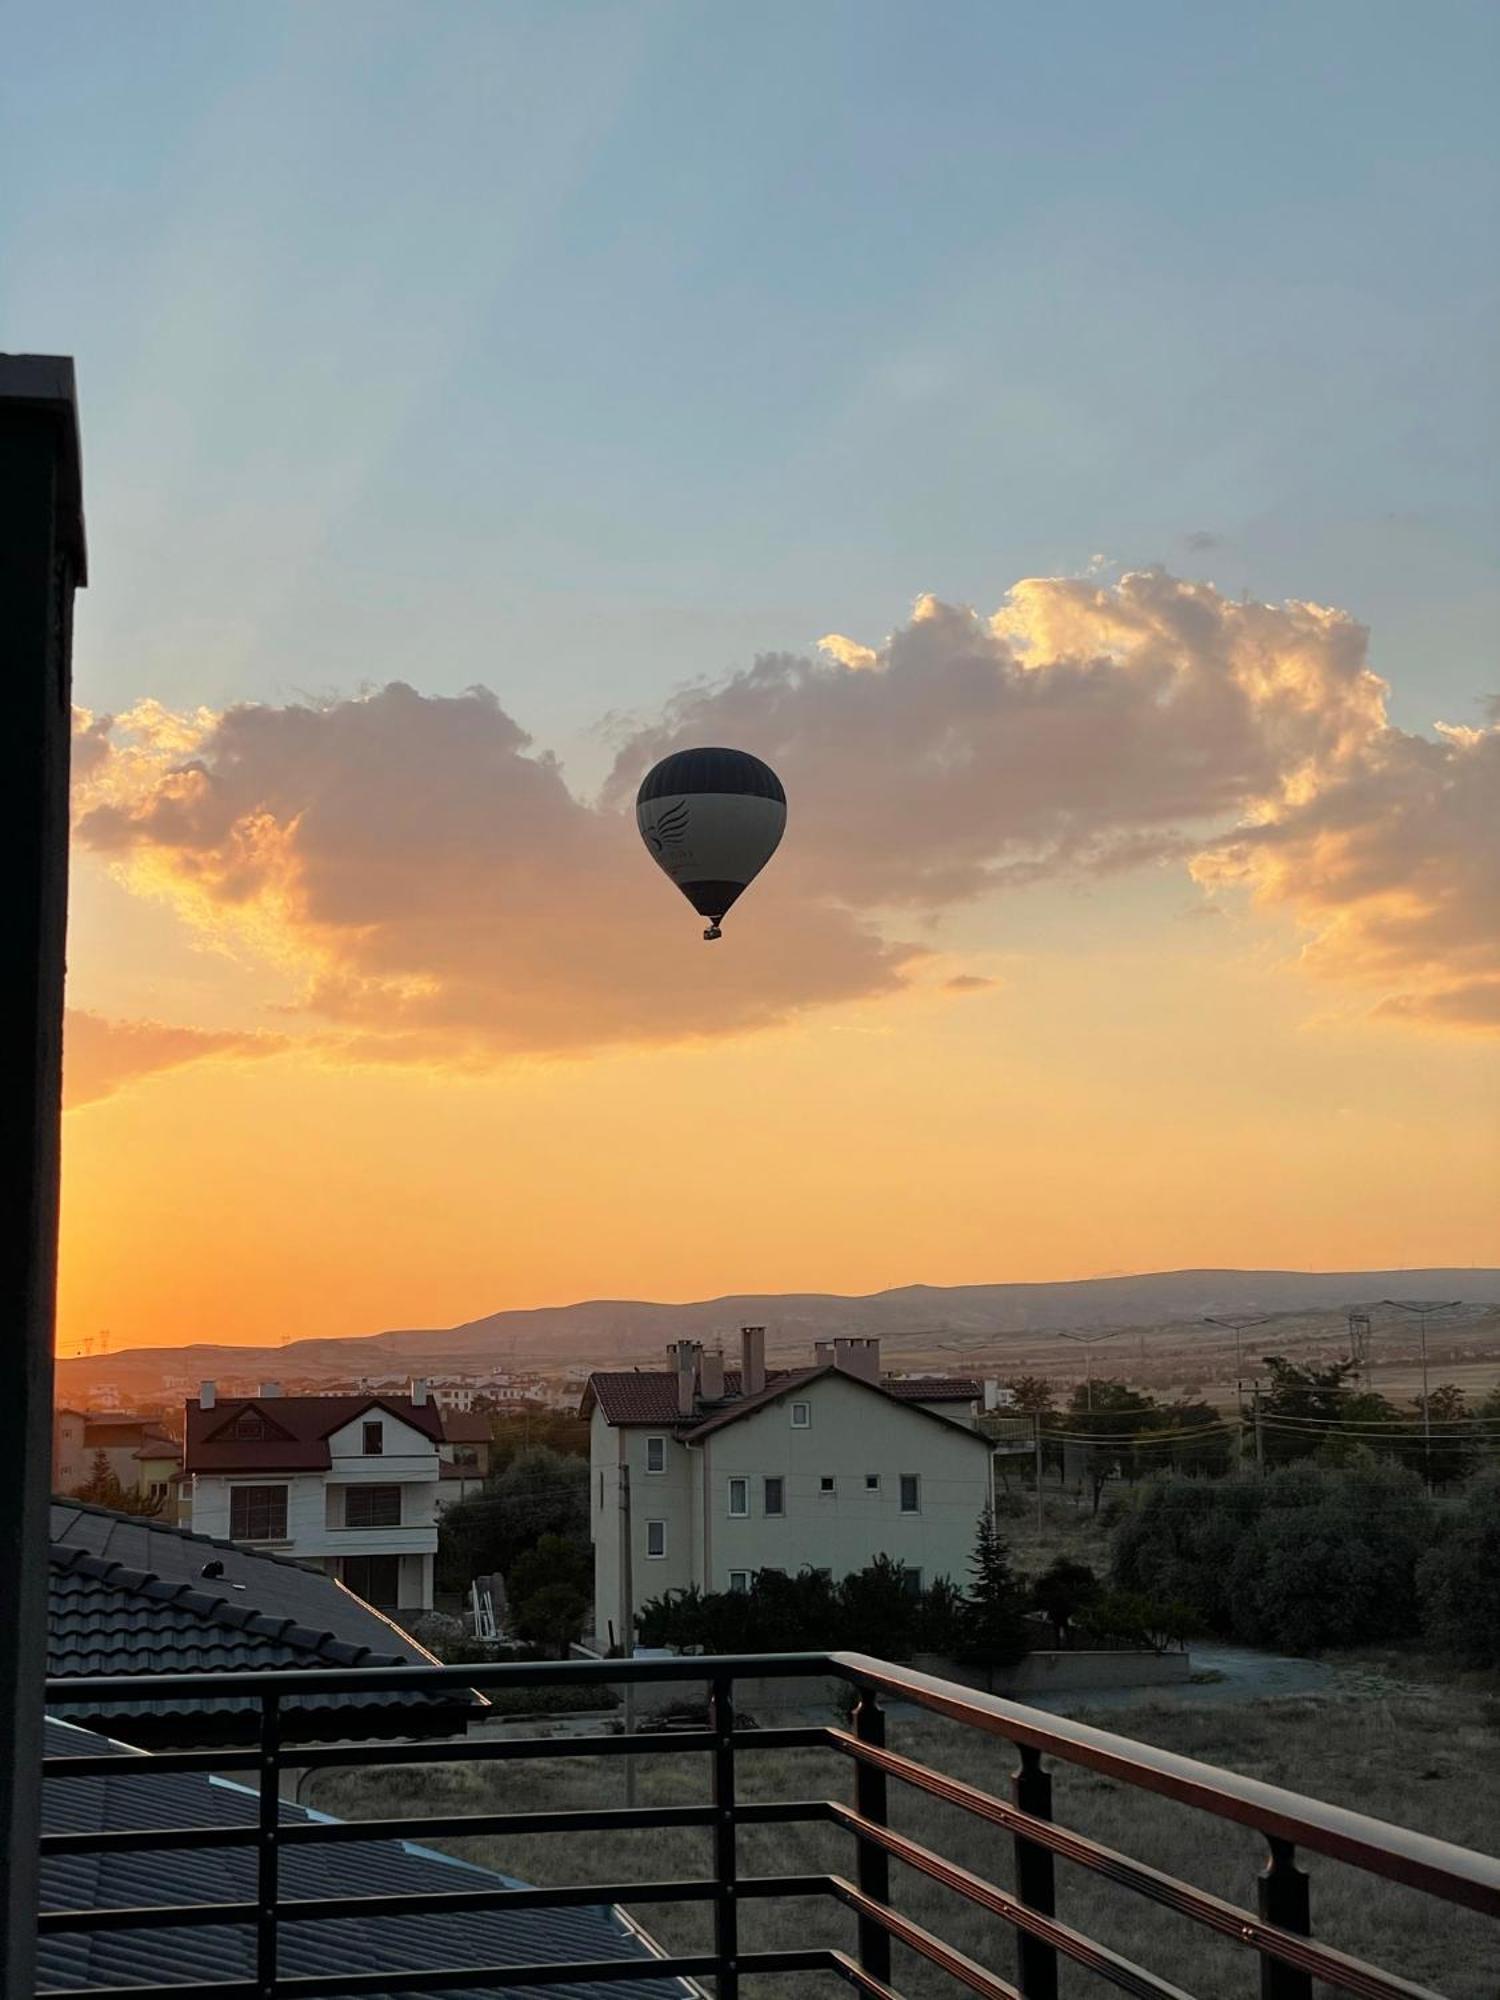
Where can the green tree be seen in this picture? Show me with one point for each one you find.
(552, 1616)
(1445, 1445)
(565, 1559)
(103, 1489)
(1300, 1406)
(1061, 1592)
(880, 1607)
(996, 1633)
(1458, 1580)
(1032, 1393)
(541, 1492)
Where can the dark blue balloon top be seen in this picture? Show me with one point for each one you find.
(688, 771)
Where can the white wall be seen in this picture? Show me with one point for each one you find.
(851, 1433)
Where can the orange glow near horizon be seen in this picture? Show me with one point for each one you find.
(1097, 1112)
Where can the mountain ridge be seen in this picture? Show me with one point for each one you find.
(622, 1331)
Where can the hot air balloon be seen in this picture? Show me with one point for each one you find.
(711, 819)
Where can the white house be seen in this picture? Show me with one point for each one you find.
(704, 1476)
(350, 1483)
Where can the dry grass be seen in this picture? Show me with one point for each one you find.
(1421, 1755)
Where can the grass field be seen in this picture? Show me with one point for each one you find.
(1387, 1741)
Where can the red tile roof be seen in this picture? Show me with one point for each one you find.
(297, 1430)
(466, 1427)
(649, 1395)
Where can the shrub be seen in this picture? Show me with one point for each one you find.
(1307, 1558)
(1458, 1580)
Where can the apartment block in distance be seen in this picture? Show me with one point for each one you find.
(350, 1483)
(734, 1471)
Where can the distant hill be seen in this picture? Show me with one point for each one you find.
(910, 1318)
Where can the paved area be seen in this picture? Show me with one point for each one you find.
(1240, 1674)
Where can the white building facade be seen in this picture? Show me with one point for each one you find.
(349, 1483)
(707, 1482)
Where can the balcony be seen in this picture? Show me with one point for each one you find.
(1036, 1928)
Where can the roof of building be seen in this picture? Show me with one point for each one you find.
(649, 1396)
(297, 1430)
(466, 1427)
(344, 1870)
(127, 1595)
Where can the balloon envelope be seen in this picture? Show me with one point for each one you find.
(711, 820)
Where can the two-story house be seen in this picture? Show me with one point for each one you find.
(136, 1449)
(702, 1475)
(348, 1482)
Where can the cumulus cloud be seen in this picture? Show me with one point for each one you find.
(1393, 866)
(428, 877)
(1083, 726)
(437, 890)
(101, 1056)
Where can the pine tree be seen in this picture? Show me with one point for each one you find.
(996, 1630)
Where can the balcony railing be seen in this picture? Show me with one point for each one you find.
(1277, 1932)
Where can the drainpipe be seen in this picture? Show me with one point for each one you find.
(41, 563)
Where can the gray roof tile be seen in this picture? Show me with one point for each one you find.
(358, 1943)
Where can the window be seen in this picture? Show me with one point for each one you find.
(601, 1489)
(372, 1507)
(157, 1491)
(739, 1498)
(656, 1538)
(377, 1579)
(248, 1425)
(801, 1416)
(823, 1575)
(911, 1582)
(775, 1496)
(739, 1579)
(374, 1444)
(872, 1482)
(911, 1492)
(656, 1454)
(767, 1570)
(827, 1484)
(257, 1513)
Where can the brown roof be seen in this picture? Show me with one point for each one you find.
(933, 1388)
(466, 1427)
(649, 1396)
(297, 1430)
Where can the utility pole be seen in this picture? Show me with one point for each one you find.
(1086, 1341)
(627, 1623)
(1237, 1323)
(1422, 1309)
(1036, 1419)
(1260, 1441)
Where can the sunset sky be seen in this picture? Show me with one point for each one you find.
(1060, 440)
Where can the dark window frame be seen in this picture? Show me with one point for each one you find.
(366, 1496)
(254, 1513)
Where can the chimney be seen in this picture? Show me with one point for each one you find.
(823, 1355)
(419, 1390)
(858, 1356)
(711, 1375)
(269, 1389)
(682, 1355)
(752, 1360)
(207, 1395)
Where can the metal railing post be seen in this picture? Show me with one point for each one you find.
(268, 1822)
(1282, 1897)
(1036, 1962)
(870, 1802)
(726, 1872)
